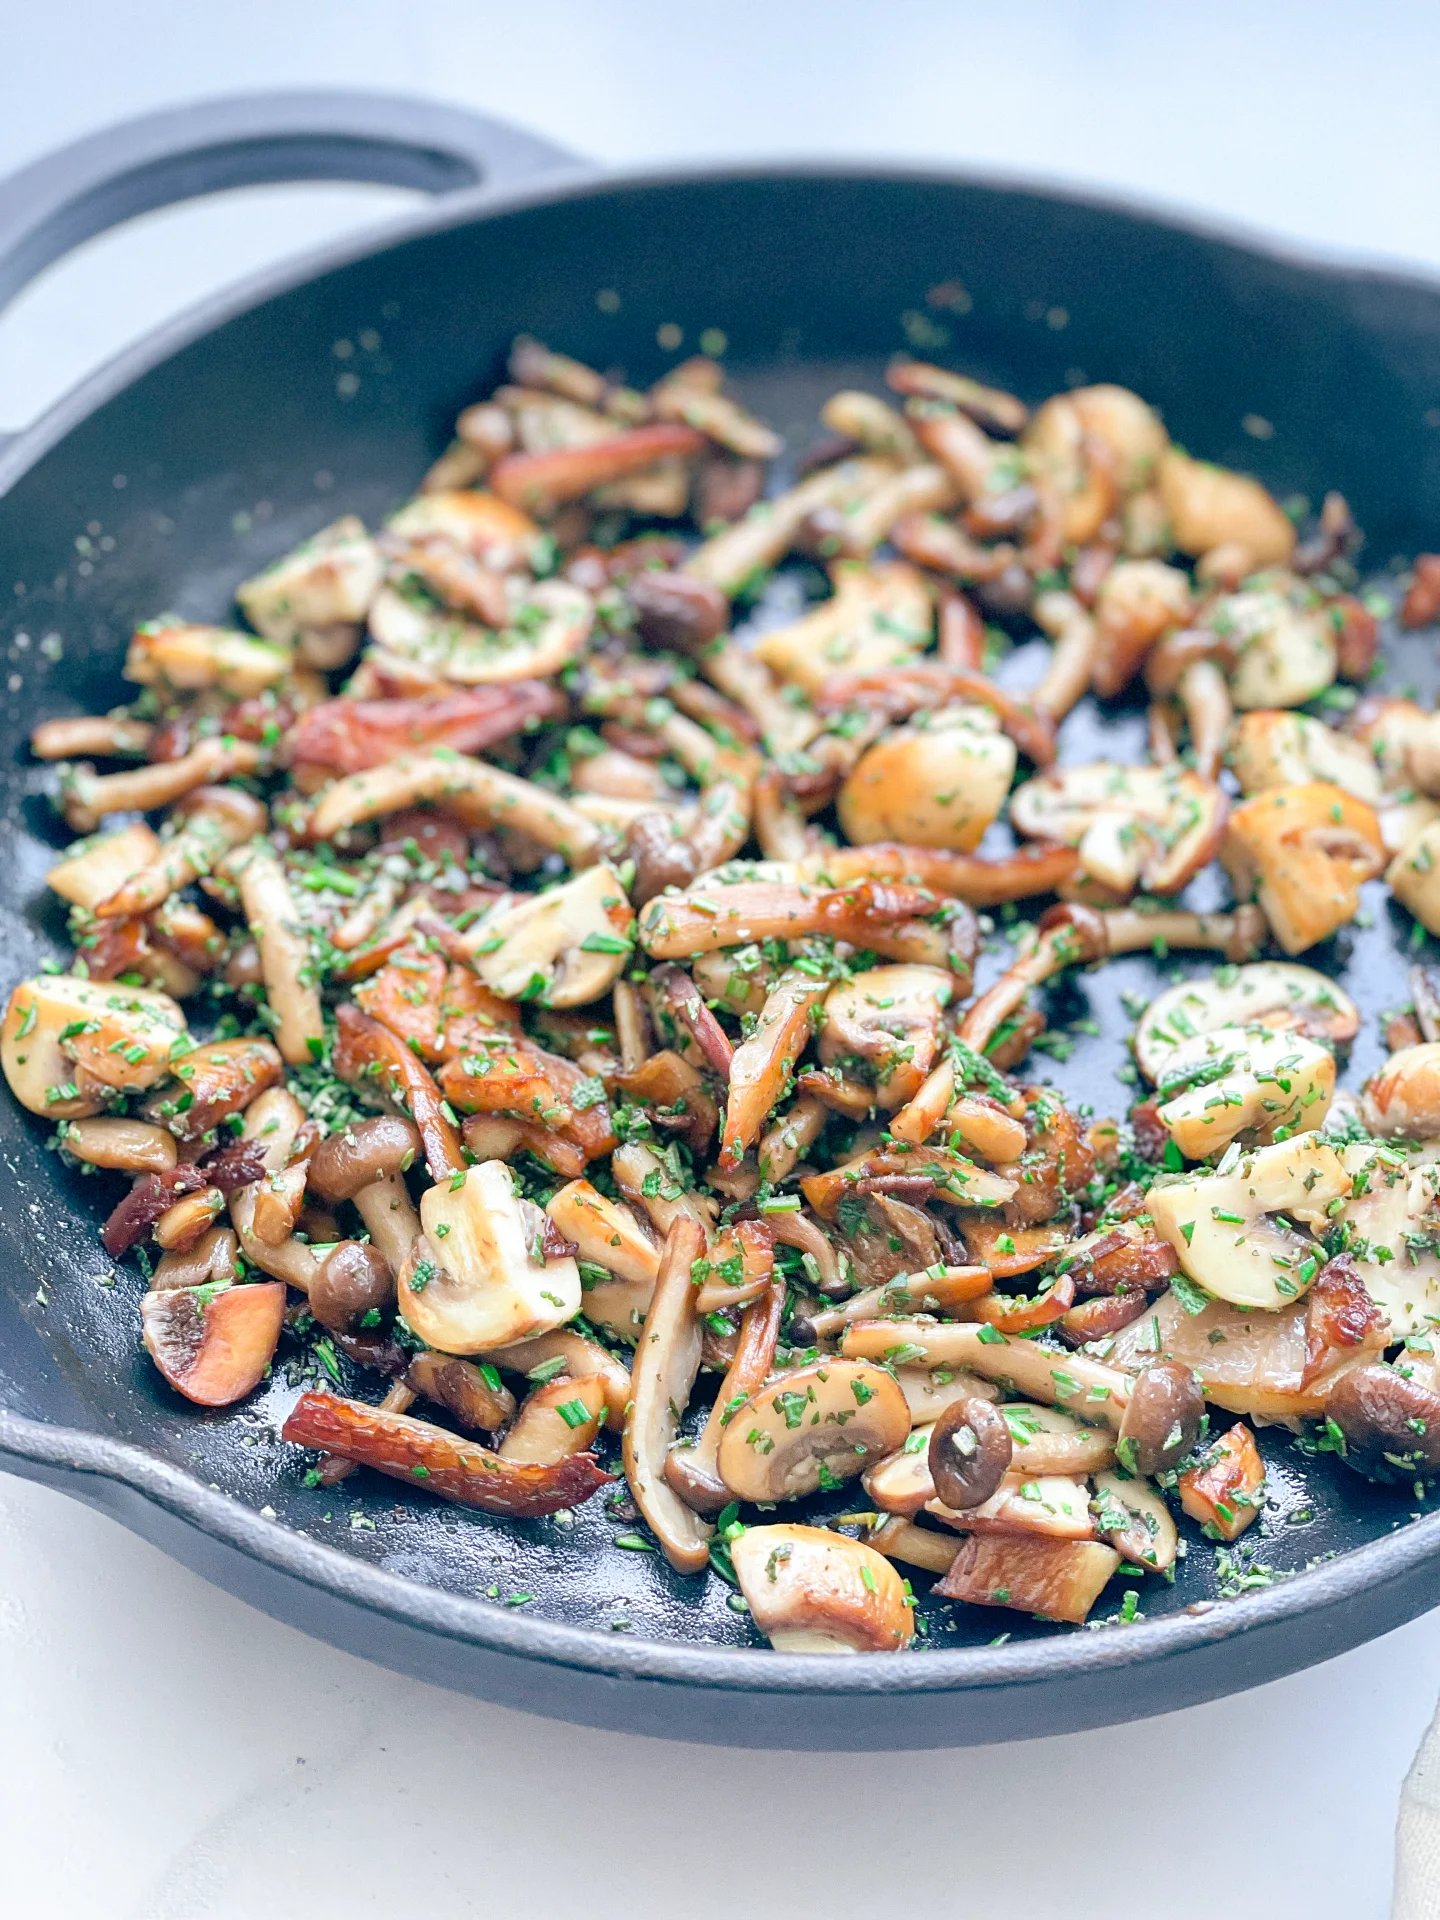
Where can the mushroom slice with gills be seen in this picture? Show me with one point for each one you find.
(1231, 1231)
(67, 1045)
(213, 1342)
(878, 617)
(764, 1063)
(940, 785)
(471, 789)
(365, 1163)
(1056, 1579)
(813, 1591)
(718, 417)
(677, 1096)
(676, 999)
(479, 1402)
(576, 1355)
(210, 823)
(812, 1427)
(349, 736)
(1225, 1489)
(212, 1083)
(667, 1359)
(606, 1232)
(214, 1256)
(990, 407)
(539, 483)
(1272, 747)
(176, 656)
(287, 965)
(369, 1055)
(692, 1471)
(564, 948)
(1134, 1520)
(1270, 993)
(478, 1275)
(1390, 1423)
(556, 1420)
(1247, 1083)
(1304, 852)
(1005, 1250)
(1128, 1256)
(1190, 666)
(1074, 1382)
(328, 580)
(1210, 506)
(547, 625)
(730, 559)
(1138, 602)
(664, 1198)
(738, 1268)
(93, 869)
(929, 1172)
(1154, 827)
(423, 1455)
(128, 1146)
(480, 524)
(1283, 641)
(885, 1023)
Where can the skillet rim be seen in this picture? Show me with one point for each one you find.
(70, 1452)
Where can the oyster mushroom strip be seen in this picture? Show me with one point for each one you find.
(106, 735)
(929, 685)
(928, 1171)
(287, 964)
(1271, 993)
(813, 1591)
(179, 657)
(889, 920)
(85, 798)
(210, 823)
(541, 482)
(1033, 868)
(763, 1065)
(1304, 852)
(471, 789)
(731, 559)
(1093, 1391)
(692, 1471)
(667, 1359)
(943, 548)
(1190, 666)
(427, 1456)
(369, 1055)
(990, 407)
(871, 424)
(349, 736)
(1073, 628)
(683, 1000)
(936, 1290)
(1154, 827)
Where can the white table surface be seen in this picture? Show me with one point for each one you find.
(167, 1754)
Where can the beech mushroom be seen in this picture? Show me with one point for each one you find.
(1390, 1424)
(693, 1471)
(815, 1426)
(939, 785)
(577, 1356)
(764, 1063)
(1303, 852)
(365, 1163)
(104, 735)
(1238, 936)
(213, 1342)
(67, 1045)
(969, 1452)
(1072, 627)
(1149, 826)
(86, 799)
(485, 1281)
(1190, 666)
(812, 1591)
(1229, 1229)
(1270, 993)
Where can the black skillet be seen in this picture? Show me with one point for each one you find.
(327, 385)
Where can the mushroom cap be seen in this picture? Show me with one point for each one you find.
(1169, 657)
(1269, 993)
(364, 1152)
(813, 1591)
(1243, 1080)
(563, 948)
(934, 786)
(822, 1422)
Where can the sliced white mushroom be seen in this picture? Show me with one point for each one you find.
(1055, 1505)
(1285, 643)
(812, 1591)
(1389, 1220)
(1268, 993)
(1131, 1515)
(1303, 852)
(667, 1360)
(68, 1044)
(1154, 826)
(478, 1277)
(606, 1232)
(175, 654)
(1230, 1229)
(328, 580)
(813, 1427)
(563, 948)
(1271, 747)
(1243, 1080)
(1212, 507)
(939, 785)
(878, 616)
(884, 1025)
(550, 622)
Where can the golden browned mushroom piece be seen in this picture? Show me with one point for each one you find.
(811, 1427)
(1303, 852)
(811, 1591)
(68, 1044)
(213, 1343)
(692, 1471)
(85, 799)
(1138, 601)
(667, 1360)
(211, 822)
(1211, 507)
(1191, 666)
(1154, 827)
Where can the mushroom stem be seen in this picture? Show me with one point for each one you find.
(85, 799)
(667, 1360)
(109, 735)
(1205, 696)
(1068, 936)
(1076, 637)
(691, 1471)
(216, 820)
(389, 1213)
(790, 1136)
(763, 1063)
(333, 1466)
(1239, 935)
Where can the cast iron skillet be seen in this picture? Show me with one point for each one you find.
(328, 386)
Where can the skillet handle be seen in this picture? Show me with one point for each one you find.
(252, 139)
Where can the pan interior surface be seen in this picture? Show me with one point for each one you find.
(334, 396)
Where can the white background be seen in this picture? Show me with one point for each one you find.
(166, 1753)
